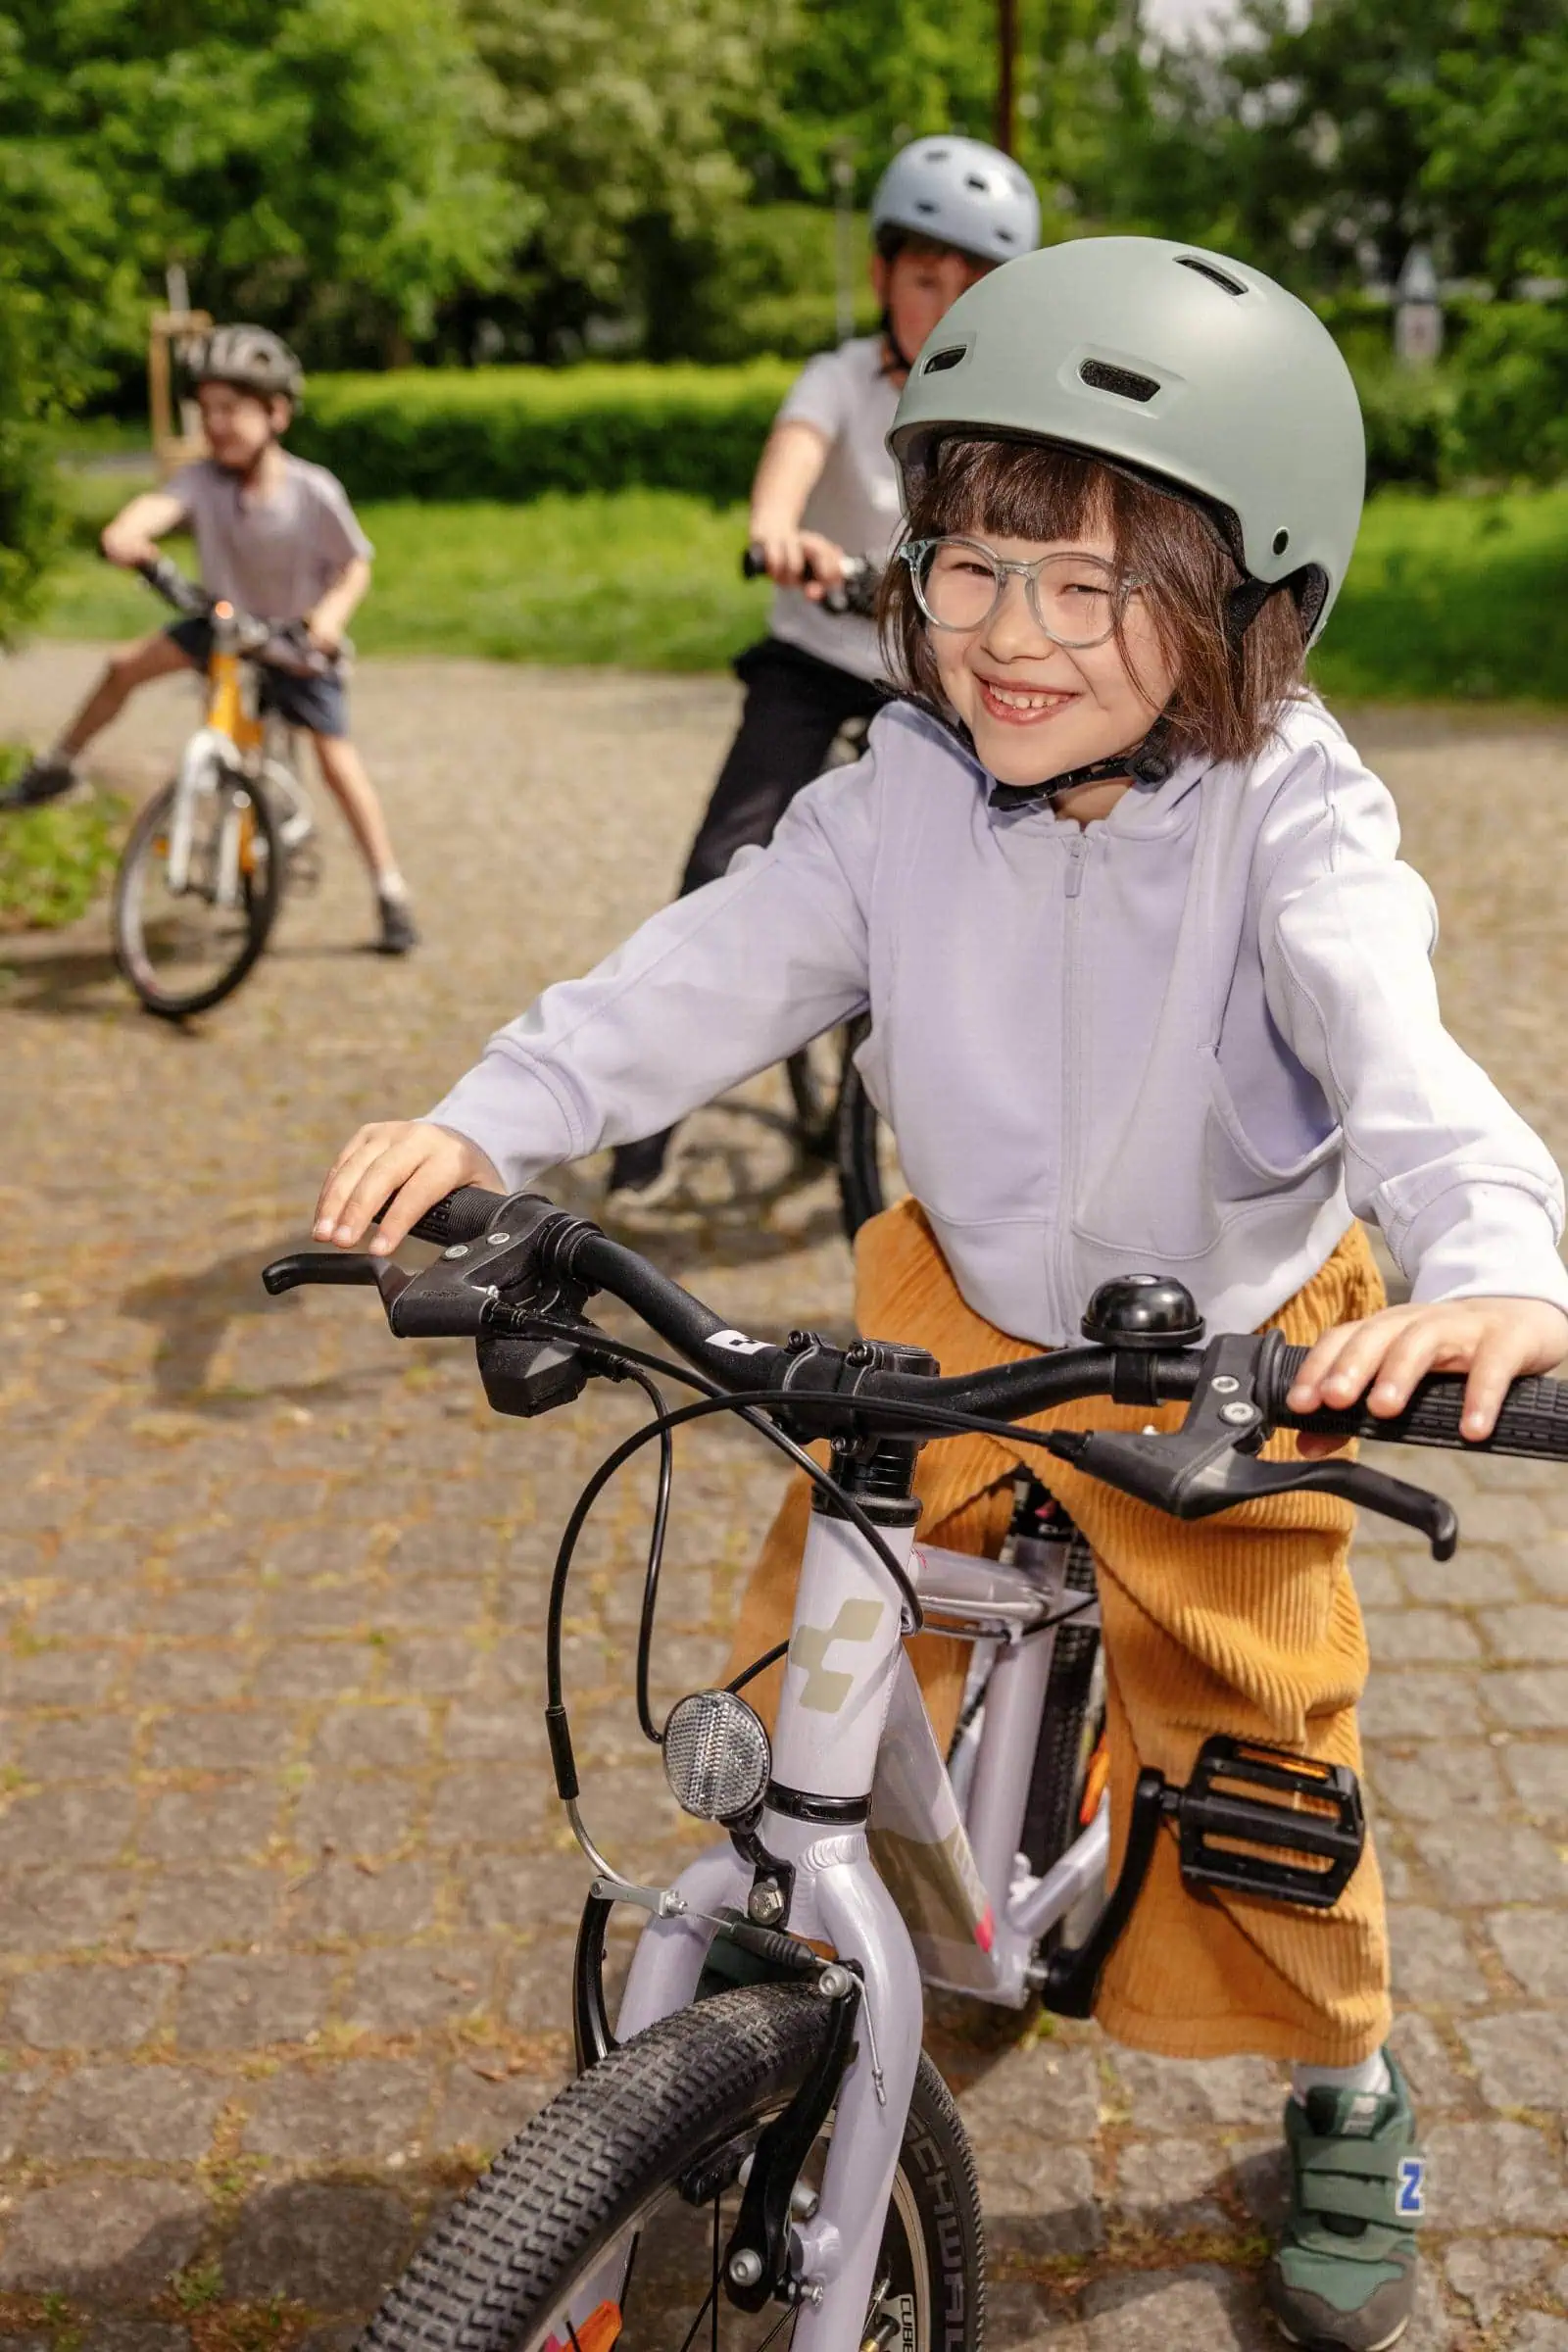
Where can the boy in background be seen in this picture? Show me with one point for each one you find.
(278, 538)
(946, 211)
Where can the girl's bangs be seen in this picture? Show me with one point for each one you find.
(1023, 490)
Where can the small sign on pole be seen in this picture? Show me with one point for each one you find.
(1417, 311)
(178, 436)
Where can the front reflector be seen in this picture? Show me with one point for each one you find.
(716, 1756)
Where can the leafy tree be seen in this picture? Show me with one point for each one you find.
(326, 165)
(1497, 119)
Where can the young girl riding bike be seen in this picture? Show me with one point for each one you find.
(944, 211)
(1149, 990)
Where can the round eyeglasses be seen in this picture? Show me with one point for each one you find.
(1076, 599)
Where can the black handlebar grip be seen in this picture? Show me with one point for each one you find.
(754, 565)
(1532, 1422)
(463, 1216)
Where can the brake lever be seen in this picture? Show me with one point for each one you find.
(336, 1269)
(1207, 1465)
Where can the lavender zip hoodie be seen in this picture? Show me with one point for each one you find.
(1197, 1037)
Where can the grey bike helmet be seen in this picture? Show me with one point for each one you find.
(252, 358)
(961, 193)
(1179, 365)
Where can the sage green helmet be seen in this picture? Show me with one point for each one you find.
(1179, 365)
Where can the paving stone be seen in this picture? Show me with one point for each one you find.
(231, 2002)
(1432, 1961)
(313, 1670)
(1534, 1947)
(1491, 2176)
(482, 2115)
(485, 1734)
(1166, 2186)
(226, 1740)
(1375, 1578)
(1182, 2095)
(1510, 1864)
(1534, 1699)
(532, 1892)
(1538, 1772)
(1019, 2318)
(102, 2237)
(92, 1825)
(1527, 1633)
(331, 2245)
(361, 2110)
(1437, 1779)
(135, 2114)
(57, 1910)
(1436, 2085)
(359, 1816)
(232, 1822)
(79, 1746)
(131, 2335)
(1260, 2174)
(372, 1737)
(1040, 2093)
(88, 2008)
(406, 1991)
(1537, 2332)
(1193, 2310)
(540, 1999)
(1399, 1705)
(1476, 1578)
(1039, 2200)
(205, 1910)
(1521, 2058)
(1414, 1637)
(343, 1900)
(1486, 2270)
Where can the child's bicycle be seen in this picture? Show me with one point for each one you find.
(202, 875)
(757, 2146)
(836, 1119)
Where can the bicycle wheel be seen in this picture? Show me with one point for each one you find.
(870, 1176)
(1071, 1725)
(185, 951)
(605, 2220)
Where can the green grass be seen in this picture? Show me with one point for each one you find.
(55, 862)
(1449, 599)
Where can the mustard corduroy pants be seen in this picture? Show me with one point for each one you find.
(1244, 1624)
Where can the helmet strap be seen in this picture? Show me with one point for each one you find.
(1147, 763)
(902, 360)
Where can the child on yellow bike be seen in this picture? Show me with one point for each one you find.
(1149, 990)
(944, 211)
(278, 538)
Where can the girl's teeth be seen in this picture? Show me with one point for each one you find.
(1024, 702)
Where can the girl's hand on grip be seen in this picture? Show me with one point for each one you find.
(400, 1167)
(1494, 1342)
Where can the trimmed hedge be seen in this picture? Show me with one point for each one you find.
(512, 433)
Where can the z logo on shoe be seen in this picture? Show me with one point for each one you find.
(1410, 2198)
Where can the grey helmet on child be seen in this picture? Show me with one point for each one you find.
(251, 358)
(961, 193)
(1188, 369)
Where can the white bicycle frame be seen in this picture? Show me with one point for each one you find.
(916, 1891)
(212, 763)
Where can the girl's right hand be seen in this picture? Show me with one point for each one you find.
(401, 1167)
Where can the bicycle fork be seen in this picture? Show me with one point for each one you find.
(829, 1731)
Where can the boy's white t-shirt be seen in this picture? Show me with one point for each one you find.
(845, 396)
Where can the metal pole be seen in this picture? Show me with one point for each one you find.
(1006, 54)
(845, 257)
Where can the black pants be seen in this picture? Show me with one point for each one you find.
(795, 706)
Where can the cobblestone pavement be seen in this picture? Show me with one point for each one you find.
(284, 1905)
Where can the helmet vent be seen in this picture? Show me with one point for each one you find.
(941, 360)
(1217, 277)
(1103, 377)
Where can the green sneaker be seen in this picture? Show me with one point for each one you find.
(1343, 2276)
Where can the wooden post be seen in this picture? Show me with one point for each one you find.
(171, 445)
(1006, 54)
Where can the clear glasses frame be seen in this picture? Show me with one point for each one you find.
(920, 553)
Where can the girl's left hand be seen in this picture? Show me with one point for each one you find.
(1384, 1356)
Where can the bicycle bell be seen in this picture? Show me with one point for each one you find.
(1143, 1310)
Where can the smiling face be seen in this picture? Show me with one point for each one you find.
(1037, 708)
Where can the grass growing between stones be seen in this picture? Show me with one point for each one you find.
(1449, 599)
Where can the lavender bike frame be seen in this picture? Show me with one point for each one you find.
(922, 1891)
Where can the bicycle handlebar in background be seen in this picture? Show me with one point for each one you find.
(857, 594)
(277, 645)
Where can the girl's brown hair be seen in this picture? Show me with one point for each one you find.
(1227, 694)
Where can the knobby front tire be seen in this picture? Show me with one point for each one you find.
(606, 2196)
(183, 954)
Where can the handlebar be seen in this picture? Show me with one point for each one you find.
(517, 1269)
(857, 593)
(275, 644)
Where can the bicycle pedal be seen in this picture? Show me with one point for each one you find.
(1255, 1820)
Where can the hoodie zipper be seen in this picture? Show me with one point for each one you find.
(1067, 1312)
